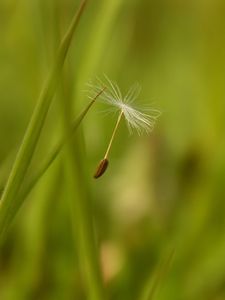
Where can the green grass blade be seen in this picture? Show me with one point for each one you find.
(153, 283)
(81, 208)
(54, 154)
(9, 198)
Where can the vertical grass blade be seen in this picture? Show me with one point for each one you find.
(154, 283)
(81, 208)
(83, 227)
(80, 203)
(9, 198)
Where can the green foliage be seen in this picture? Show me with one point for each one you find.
(161, 191)
(9, 203)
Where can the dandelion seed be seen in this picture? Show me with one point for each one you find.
(136, 119)
(101, 168)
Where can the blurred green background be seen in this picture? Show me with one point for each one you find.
(162, 192)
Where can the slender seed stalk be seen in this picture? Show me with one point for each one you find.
(104, 162)
(113, 135)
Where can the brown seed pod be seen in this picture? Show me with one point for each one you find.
(101, 168)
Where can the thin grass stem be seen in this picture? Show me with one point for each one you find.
(58, 148)
(154, 282)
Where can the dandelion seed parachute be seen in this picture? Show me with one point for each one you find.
(140, 120)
